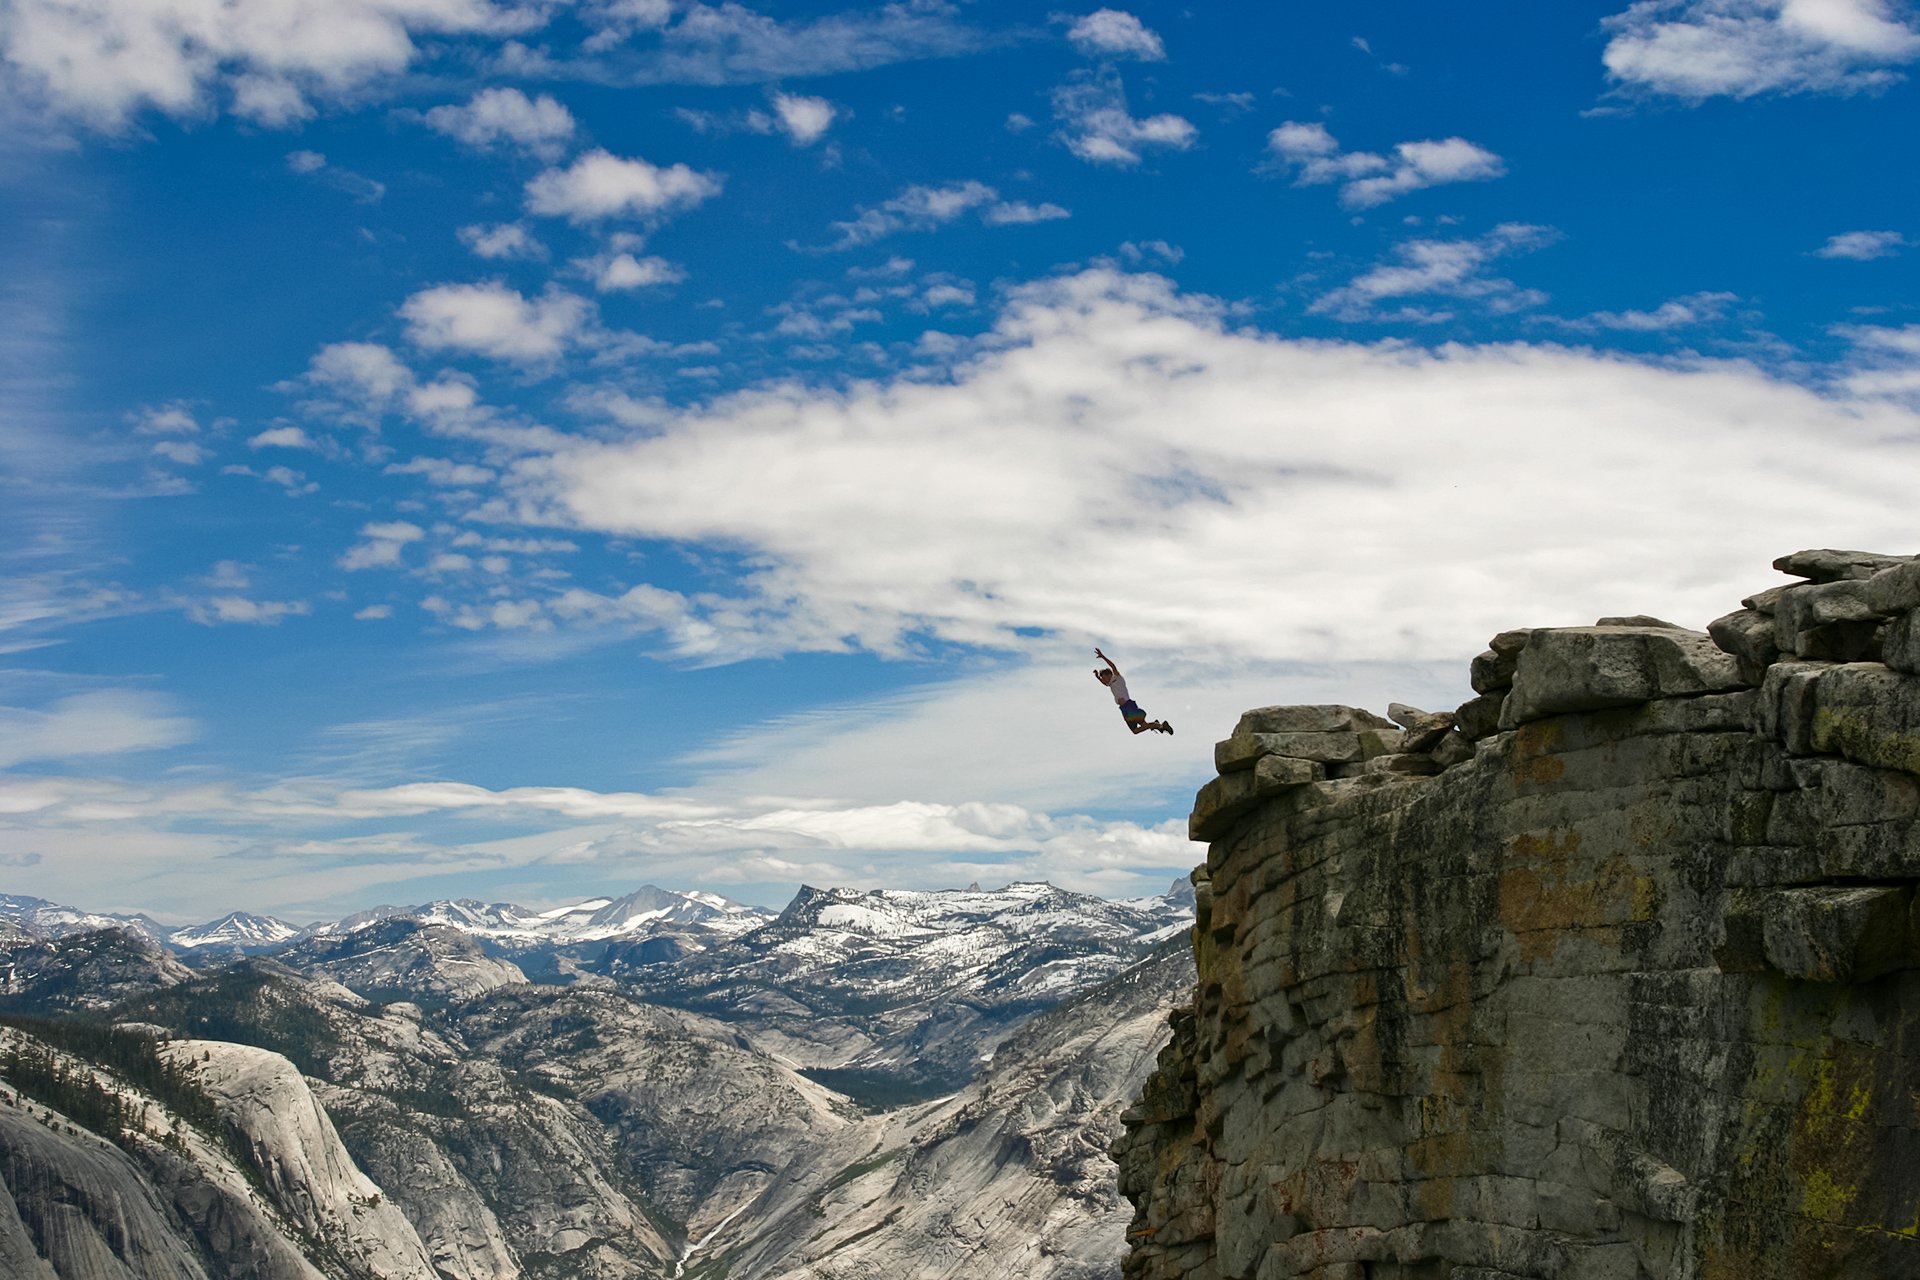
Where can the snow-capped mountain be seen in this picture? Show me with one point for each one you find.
(43, 919)
(911, 989)
(648, 909)
(238, 930)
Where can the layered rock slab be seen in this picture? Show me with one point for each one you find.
(1631, 992)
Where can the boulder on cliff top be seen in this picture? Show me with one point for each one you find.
(1827, 565)
(1565, 669)
(1308, 718)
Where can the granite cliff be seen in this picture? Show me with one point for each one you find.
(1613, 973)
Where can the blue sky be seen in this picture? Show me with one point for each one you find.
(527, 450)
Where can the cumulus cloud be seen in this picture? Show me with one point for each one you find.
(1698, 49)
(381, 544)
(1096, 125)
(104, 62)
(1115, 33)
(600, 185)
(492, 117)
(1440, 268)
(288, 437)
(1018, 212)
(1117, 462)
(502, 241)
(1367, 179)
(804, 120)
(495, 321)
(1862, 246)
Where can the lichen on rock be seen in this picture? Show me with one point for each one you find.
(1616, 978)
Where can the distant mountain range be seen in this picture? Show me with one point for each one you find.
(693, 1088)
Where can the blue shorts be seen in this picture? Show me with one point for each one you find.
(1130, 712)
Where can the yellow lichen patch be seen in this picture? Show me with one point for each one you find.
(1533, 761)
(1826, 1198)
(1539, 903)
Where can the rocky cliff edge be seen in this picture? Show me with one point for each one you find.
(1611, 974)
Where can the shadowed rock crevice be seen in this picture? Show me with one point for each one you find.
(1612, 974)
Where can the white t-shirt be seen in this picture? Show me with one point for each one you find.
(1119, 686)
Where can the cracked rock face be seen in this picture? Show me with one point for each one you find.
(1626, 988)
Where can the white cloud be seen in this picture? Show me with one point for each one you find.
(381, 545)
(729, 43)
(313, 164)
(1369, 179)
(1675, 313)
(1114, 33)
(374, 612)
(104, 62)
(1019, 213)
(1443, 268)
(240, 609)
(1096, 125)
(364, 370)
(616, 272)
(505, 240)
(1698, 49)
(173, 419)
(493, 320)
(1885, 363)
(538, 126)
(443, 471)
(916, 208)
(184, 452)
(1117, 463)
(804, 120)
(282, 438)
(1862, 246)
(105, 722)
(601, 185)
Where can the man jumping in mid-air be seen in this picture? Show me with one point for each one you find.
(1129, 709)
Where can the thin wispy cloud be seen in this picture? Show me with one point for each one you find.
(1452, 269)
(1096, 125)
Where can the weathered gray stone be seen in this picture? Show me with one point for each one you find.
(1641, 620)
(1837, 933)
(1785, 710)
(1900, 644)
(1565, 669)
(1512, 640)
(1480, 716)
(1379, 742)
(1419, 765)
(1765, 601)
(1808, 606)
(1452, 749)
(1243, 751)
(1229, 797)
(1826, 565)
(1492, 671)
(1869, 713)
(1748, 635)
(1310, 718)
(1423, 728)
(1895, 589)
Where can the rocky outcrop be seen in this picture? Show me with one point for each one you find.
(1615, 977)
